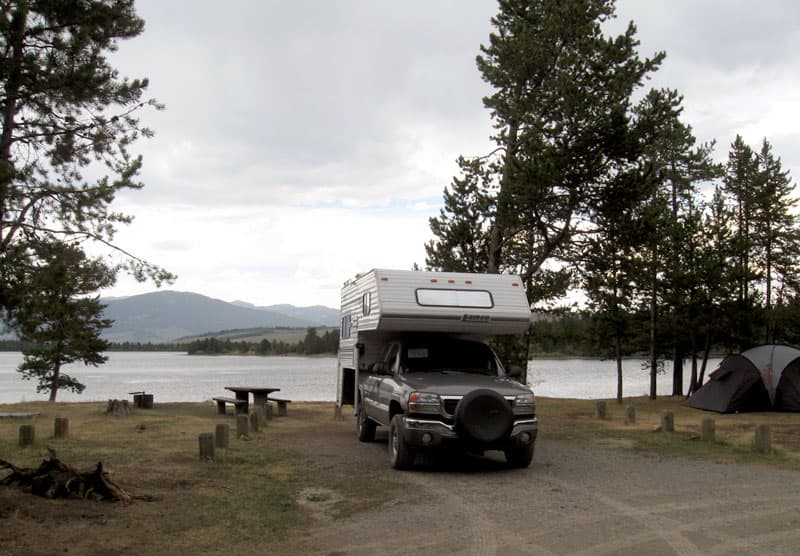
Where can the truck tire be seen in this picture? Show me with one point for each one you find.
(484, 415)
(401, 455)
(365, 427)
(520, 456)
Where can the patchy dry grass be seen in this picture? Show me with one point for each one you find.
(294, 472)
(247, 496)
(734, 433)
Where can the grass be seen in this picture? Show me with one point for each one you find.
(734, 433)
(266, 489)
(247, 494)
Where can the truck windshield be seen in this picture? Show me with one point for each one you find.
(449, 355)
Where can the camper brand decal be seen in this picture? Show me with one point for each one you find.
(476, 318)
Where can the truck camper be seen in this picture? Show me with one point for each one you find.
(413, 356)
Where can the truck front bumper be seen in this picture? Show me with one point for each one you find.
(431, 433)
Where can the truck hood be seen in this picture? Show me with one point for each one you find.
(460, 384)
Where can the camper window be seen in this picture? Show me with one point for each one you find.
(455, 298)
(366, 303)
(345, 331)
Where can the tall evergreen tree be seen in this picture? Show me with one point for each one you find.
(66, 115)
(561, 95)
(462, 226)
(57, 319)
(777, 235)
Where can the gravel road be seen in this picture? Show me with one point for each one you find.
(576, 498)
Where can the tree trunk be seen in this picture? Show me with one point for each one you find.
(653, 354)
(677, 372)
(498, 226)
(54, 382)
(619, 368)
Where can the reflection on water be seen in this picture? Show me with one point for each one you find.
(177, 377)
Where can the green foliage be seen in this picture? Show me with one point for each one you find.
(57, 319)
(66, 116)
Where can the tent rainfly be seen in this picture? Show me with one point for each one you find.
(763, 378)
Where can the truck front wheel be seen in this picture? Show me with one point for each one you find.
(365, 427)
(519, 456)
(401, 455)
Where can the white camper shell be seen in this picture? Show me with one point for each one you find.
(381, 303)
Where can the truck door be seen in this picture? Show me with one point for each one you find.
(386, 387)
(378, 386)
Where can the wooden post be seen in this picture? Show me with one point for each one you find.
(600, 410)
(763, 439)
(61, 427)
(668, 421)
(27, 434)
(206, 446)
(254, 421)
(241, 426)
(707, 430)
(630, 414)
(222, 435)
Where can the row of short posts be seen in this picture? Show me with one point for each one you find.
(220, 438)
(763, 434)
(27, 433)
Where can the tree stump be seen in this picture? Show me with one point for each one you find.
(707, 430)
(600, 410)
(118, 407)
(55, 479)
(27, 435)
(763, 442)
(222, 435)
(206, 446)
(241, 426)
(61, 426)
(630, 414)
(668, 421)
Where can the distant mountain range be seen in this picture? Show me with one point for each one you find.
(165, 316)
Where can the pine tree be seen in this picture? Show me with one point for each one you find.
(65, 115)
(57, 318)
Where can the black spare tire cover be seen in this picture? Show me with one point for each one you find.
(484, 415)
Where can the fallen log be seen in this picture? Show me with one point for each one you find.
(55, 479)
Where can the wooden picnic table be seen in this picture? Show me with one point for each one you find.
(260, 394)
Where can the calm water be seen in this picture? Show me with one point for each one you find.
(178, 377)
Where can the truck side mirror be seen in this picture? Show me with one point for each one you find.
(515, 372)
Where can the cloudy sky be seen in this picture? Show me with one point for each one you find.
(306, 141)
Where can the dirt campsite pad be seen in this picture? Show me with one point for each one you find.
(305, 485)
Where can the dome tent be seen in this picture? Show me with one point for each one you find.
(760, 379)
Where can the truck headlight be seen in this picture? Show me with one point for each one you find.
(423, 402)
(524, 404)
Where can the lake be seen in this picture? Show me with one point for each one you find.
(178, 377)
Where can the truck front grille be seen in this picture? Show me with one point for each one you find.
(450, 404)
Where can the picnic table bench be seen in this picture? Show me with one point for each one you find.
(260, 393)
(281, 405)
(240, 406)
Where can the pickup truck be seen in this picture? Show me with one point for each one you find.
(435, 390)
